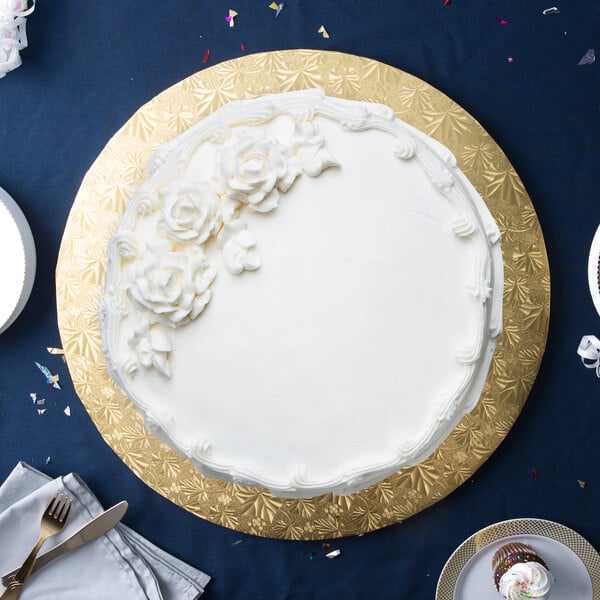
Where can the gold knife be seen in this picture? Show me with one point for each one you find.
(90, 531)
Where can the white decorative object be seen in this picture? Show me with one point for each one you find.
(589, 351)
(17, 268)
(356, 307)
(13, 37)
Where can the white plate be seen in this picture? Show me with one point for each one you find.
(572, 561)
(17, 260)
(594, 270)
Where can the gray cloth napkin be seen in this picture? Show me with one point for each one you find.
(119, 564)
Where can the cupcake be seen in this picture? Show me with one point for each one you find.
(520, 573)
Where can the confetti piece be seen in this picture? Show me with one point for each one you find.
(33, 397)
(41, 402)
(237, 542)
(447, 2)
(311, 555)
(323, 32)
(501, 21)
(48, 460)
(589, 58)
(41, 411)
(325, 546)
(242, 48)
(333, 554)
(534, 473)
(551, 11)
(59, 351)
(232, 15)
(581, 483)
(511, 60)
(205, 57)
(277, 7)
(67, 411)
(51, 380)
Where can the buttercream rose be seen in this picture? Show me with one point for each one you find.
(254, 169)
(172, 285)
(191, 211)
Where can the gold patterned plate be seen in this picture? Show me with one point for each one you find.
(571, 559)
(119, 171)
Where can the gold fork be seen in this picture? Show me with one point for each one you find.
(53, 520)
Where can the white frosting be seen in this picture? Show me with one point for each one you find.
(526, 580)
(363, 332)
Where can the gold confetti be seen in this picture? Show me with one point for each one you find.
(323, 31)
(277, 7)
(581, 483)
(59, 351)
(230, 18)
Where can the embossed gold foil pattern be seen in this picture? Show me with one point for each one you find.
(119, 170)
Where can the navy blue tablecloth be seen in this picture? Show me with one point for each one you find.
(89, 66)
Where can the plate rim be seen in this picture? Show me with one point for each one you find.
(29, 252)
(594, 269)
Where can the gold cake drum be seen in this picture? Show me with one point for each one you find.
(118, 172)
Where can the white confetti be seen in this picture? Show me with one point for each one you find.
(48, 460)
(33, 396)
(41, 411)
(41, 401)
(323, 32)
(333, 554)
(67, 411)
(551, 11)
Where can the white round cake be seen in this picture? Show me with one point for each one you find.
(304, 295)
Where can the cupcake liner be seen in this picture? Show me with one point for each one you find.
(511, 554)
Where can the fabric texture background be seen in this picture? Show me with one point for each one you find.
(90, 66)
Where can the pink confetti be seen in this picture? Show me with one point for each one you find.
(501, 21)
(589, 58)
(242, 48)
(510, 60)
(205, 57)
(447, 2)
(534, 473)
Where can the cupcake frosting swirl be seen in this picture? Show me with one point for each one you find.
(526, 581)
